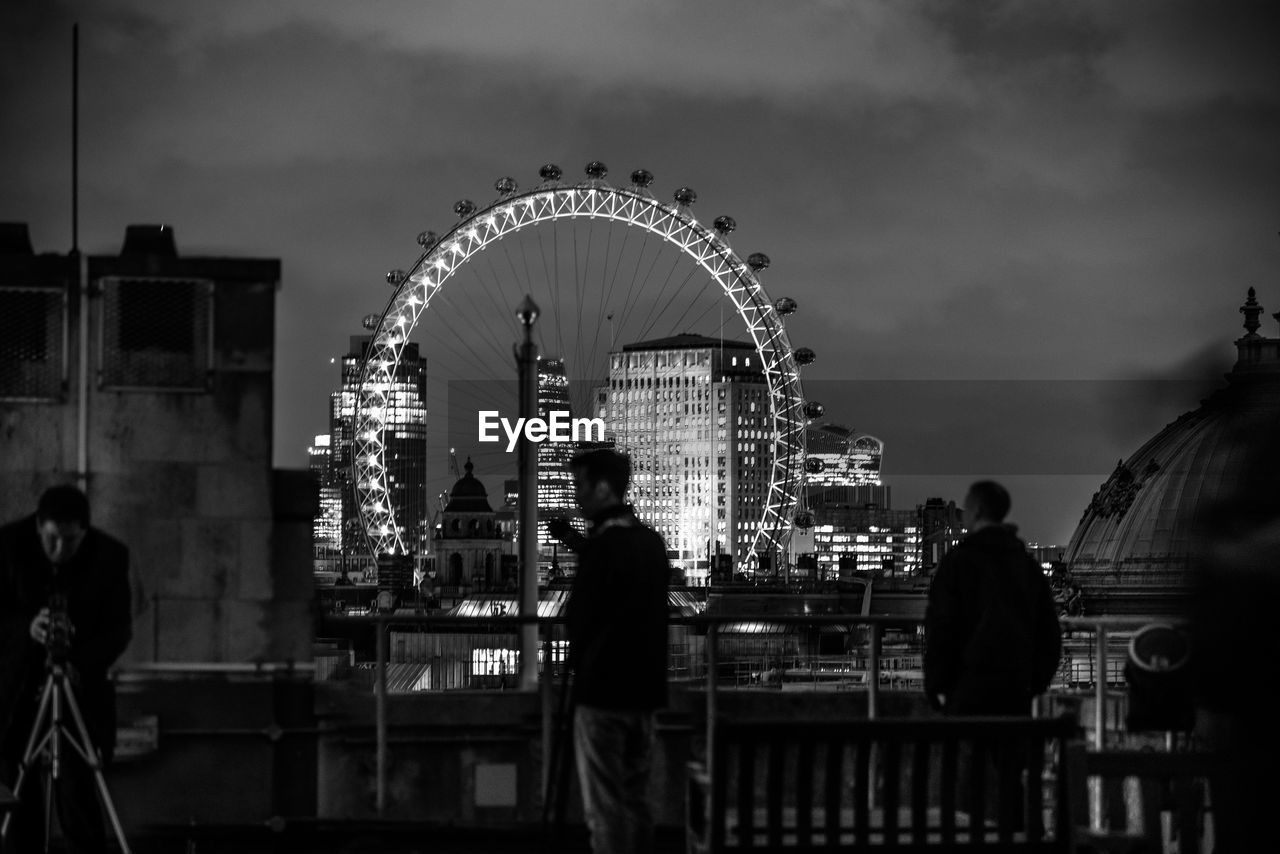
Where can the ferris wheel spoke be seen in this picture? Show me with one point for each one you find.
(466, 316)
(493, 302)
(627, 304)
(608, 245)
(555, 282)
(616, 266)
(666, 282)
(506, 306)
(688, 276)
(462, 359)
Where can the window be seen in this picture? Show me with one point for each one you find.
(32, 338)
(156, 334)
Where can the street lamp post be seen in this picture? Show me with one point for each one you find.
(527, 363)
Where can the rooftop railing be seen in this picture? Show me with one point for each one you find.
(715, 654)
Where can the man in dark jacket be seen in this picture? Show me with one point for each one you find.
(992, 641)
(617, 621)
(55, 553)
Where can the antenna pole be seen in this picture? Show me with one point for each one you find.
(75, 138)
(82, 287)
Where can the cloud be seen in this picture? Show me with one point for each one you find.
(804, 50)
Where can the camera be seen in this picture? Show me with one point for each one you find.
(58, 639)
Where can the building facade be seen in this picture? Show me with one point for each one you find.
(145, 376)
(326, 531)
(693, 414)
(555, 481)
(848, 458)
(404, 443)
(470, 543)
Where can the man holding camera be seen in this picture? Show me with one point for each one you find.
(64, 602)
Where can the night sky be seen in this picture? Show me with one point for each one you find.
(1018, 231)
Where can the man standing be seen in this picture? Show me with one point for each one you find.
(55, 557)
(992, 641)
(617, 621)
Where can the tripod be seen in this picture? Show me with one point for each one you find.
(50, 735)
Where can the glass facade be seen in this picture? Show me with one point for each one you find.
(405, 442)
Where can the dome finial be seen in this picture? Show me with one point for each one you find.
(468, 468)
(1251, 310)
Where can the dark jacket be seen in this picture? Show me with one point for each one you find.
(992, 640)
(96, 585)
(617, 615)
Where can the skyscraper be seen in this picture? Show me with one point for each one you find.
(555, 481)
(693, 414)
(326, 532)
(404, 443)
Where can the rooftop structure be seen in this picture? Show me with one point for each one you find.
(1131, 550)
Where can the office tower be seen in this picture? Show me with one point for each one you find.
(404, 443)
(326, 531)
(693, 414)
(555, 481)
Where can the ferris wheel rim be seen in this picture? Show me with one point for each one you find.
(782, 373)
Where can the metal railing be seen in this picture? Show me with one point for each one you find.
(873, 668)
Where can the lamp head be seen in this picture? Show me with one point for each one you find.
(528, 311)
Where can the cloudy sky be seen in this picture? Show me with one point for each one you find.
(1018, 231)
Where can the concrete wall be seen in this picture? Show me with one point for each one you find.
(220, 543)
(475, 758)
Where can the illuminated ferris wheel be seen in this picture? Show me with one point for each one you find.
(607, 265)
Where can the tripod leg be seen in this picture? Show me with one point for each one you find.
(90, 756)
(34, 745)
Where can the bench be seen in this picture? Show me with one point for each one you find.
(900, 785)
(1166, 782)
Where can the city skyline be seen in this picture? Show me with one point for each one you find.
(1055, 210)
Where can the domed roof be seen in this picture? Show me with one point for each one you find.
(468, 494)
(1131, 549)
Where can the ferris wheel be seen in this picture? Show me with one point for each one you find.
(607, 264)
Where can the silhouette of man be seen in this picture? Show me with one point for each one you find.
(992, 641)
(56, 553)
(617, 621)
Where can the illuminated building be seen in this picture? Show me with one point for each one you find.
(326, 531)
(872, 539)
(405, 441)
(693, 414)
(555, 481)
(867, 541)
(848, 459)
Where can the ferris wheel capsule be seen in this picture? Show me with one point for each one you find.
(395, 277)
(596, 170)
(427, 239)
(804, 519)
(724, 225)
(550, 172)
(785, 306)
(464, 208)
(506, 186)
(641, 178)
(369, 322)
(805, 356)
(685, 196)
(813, 465)
(757, 261)
(813, 409)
